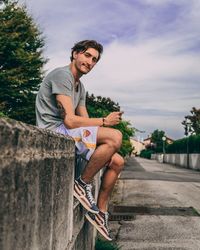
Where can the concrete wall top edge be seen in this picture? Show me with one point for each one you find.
(19, 140)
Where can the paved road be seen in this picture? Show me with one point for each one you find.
(156, 207)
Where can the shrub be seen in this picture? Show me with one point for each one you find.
(105, 245)
(145, 153)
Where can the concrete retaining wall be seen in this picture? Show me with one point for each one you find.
(194, 161)
(176, 159)
(37, 209)
(180, 160)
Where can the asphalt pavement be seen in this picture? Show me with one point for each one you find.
(156, 206)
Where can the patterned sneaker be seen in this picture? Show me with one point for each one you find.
(83, 193)
(100, 222)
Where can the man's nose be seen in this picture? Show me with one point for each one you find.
(89, 61)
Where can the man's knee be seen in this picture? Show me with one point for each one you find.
(120, 162)
(117, 163)
(117, 138)
(110, 136)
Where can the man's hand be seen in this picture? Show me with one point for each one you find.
(113, 118)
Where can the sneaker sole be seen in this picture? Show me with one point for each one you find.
(97, 227)
(84, 204)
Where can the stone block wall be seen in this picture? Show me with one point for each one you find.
(37, 209)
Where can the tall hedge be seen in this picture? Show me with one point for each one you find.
(191, 143)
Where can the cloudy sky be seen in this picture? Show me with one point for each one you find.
(151, 63)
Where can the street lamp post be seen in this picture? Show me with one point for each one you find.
(164, 139)
(188, 127)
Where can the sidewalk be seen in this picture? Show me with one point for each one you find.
(161, 204)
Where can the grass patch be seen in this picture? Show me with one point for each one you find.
(106, 245)
(195, 211)
(2, 114)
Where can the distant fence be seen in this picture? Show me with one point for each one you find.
(183, 160)
(37, 209)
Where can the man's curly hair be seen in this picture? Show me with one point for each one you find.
(82, 46)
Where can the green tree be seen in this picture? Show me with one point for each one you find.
(21, 62)
(156, 139)
(98, 106)
(192, 122)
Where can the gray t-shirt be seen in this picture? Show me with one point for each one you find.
(58, 81)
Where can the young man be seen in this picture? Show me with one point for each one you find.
(60, 106)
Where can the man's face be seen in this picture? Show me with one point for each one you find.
(85, 61)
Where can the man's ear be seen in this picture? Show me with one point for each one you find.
(75, 53)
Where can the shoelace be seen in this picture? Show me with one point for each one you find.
(88, 189)
(106, 215)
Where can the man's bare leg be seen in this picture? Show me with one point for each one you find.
(109, 179)
(100, 220)
(109, 142)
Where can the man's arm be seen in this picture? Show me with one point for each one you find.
(82, 111)
(71, 120)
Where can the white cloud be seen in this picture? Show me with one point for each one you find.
(149, 76)
(145, 66)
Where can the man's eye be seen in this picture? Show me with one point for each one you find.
(94, 59)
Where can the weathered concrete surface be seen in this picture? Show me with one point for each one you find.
(183, 160)
(166, 205)
(36, 191)
(194, 161)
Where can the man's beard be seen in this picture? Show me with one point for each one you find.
(84, 72)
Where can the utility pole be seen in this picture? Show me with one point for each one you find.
(164, 139)
(187, 133)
